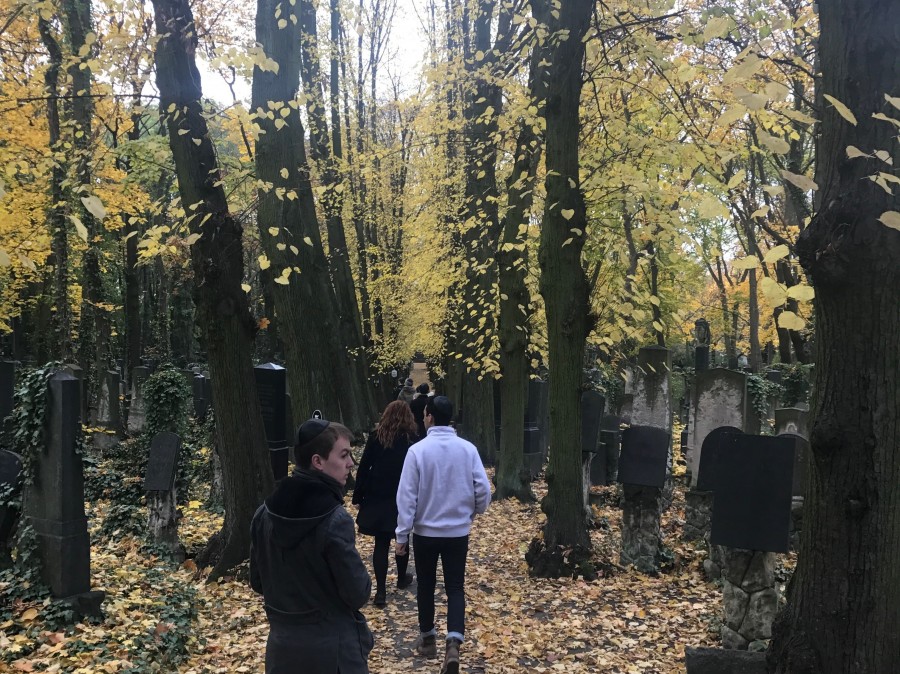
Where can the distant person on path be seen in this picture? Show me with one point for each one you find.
(407, 393)
(376, 491)
(418, 408)
(303, 560)
(442, 488)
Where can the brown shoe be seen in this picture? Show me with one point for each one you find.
(451, 657)
(426, 647)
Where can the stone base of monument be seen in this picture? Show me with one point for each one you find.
(750, 597)
(718, 661)
(796, 522)
(85, 605)
(641, 542)
(697, 515)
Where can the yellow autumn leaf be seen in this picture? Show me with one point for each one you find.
(567, 213)
(853, 152)
(94, 206)
(4, 258)
(790, 321)
(776, 253)
(273, 231)
(79, 227)
(800, 181)
(801, 292)
(245, 287)
(30, 614)
(773, 290)
(307, 241)
(890, 219)
(749, 262)
(842, 109)
(264, 262)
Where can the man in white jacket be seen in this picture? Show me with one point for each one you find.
(442, 488)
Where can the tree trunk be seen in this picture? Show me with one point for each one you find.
(563, 283)
(288, 209)
(512, 263)
(56, 217)
(222, 304)
(844, 599)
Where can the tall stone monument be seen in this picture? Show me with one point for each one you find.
(646, 460)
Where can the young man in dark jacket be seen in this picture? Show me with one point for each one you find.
(303, 560)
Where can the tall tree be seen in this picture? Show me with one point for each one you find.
(563, 282)
(223, 310)
(844, 598)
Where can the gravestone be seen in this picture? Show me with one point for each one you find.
(10, 486)
(535, 441)
(137, 414)
(271, 387)
(201, 404)
(793, 420)
(645, 463)
(162, 497)
(798, 487)
(699, 501)
(78, 372)
(611, 436)
(592, 404)
(720, 399)
(751, 521)
(7, 387)
(109, 414)
(290, 431)
(54, 500)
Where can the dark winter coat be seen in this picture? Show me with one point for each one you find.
(418, 409)
(377, 480)
(303, 560)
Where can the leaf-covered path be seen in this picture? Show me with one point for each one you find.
(158, 615)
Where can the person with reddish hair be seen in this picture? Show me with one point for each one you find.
(376, 491)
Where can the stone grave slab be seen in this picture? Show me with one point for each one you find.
(752, 508)
(592, 404)
(792, 420)
(645, 450)
(801, 459)
(163, 462)
(271, 387)
(10, 485)
(713, 442)
(7, 388)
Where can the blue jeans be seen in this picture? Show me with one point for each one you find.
(452, 552)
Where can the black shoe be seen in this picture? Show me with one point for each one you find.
(405, 582)
(380, 598)
(451, 657)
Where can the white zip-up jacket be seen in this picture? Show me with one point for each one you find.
(442, 487)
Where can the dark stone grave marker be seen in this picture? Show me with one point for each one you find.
(645, 450)
(10, 485)
(592, 404)
(7, 387)
(801, 457)
(752, 508)
(54, 501)
(714, 442)
(163, 462)
(271, 387)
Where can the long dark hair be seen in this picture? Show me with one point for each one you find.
(397, 421)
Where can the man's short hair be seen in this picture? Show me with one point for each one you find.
(441, 410)
(423, 389)
(317, 436)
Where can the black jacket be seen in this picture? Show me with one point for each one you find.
(377, 480)
(303, 560)
(418, 409)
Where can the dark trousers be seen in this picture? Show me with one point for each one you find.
(452, 553)
(380, 560)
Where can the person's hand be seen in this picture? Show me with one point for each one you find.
(401, 549)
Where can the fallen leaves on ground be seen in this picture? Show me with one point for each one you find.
(628, 623)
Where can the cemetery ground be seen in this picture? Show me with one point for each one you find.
(164, 617)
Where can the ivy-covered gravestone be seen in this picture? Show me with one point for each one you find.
(54, 493)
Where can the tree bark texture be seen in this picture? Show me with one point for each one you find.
(307, 319)
(844, 599)
(513, 480)
(222, 305)
(355, 391)
(56, 217)
(563, 283)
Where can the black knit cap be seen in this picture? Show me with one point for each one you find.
(310, 429)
